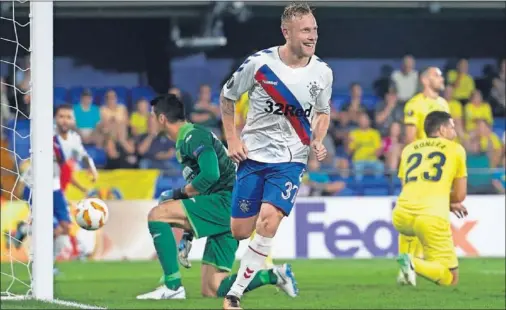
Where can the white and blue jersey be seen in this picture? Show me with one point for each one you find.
(277, 134)
(63, 150)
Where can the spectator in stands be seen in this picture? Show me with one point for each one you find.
(206, 113)
(139, 118)
(461, 81)
(120, 148)
(477, 109)
(392, 147)
(490, 143)
(87, 117)
(350, 112)
(456, 110)
(498, 92)
(365, 148)
(112, 110)
(155, 149)
(4, 105)
(478, 180)
(406, 79)
(319, 182)
(388, 111)
(499, 178)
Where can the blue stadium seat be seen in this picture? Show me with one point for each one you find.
(140, 92)
(98, 155)
(60, 94)
(75, 94)
(346, 192)
(19, 143)
(369, 101)
(499, 123)
(339, 100)
(376, 191)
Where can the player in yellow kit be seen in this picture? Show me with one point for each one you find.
(415, 112)
(434, 176)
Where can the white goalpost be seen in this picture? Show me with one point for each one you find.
(40, 264)
(41, 118)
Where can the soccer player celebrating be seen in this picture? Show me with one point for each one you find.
(289, 92)
(434, 176)
(415, 112)
(67, 147)
(202, 208)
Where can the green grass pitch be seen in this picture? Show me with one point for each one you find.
(324, 284)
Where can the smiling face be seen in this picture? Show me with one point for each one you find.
(300, 30)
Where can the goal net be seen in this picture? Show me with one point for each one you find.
(26, 71)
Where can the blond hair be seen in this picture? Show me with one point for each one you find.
(295, 9)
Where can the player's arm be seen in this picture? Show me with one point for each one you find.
(209, 173)
(322, 108)
(241, 81)
(77, 185)
(459, 186)
(87, 161)
(410, 121)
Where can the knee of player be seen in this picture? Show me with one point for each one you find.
(268, 220)
(240, 233)
(65, 228)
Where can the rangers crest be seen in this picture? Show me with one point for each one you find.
(314, 90)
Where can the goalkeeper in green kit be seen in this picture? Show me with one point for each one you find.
(201, 208)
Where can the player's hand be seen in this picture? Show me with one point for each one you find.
(166, 196)
(319, 150)
(459, 210)
(237, 150)
(94, 176)
(184, 248)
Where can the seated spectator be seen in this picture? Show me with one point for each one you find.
(455, 110)
(206, 113)
(406, 79)
(498, 92)
(499, 178)
(318, 182)
(155, 149)
(388, 111)
(351, 110)
(479, 179)
(392, 147)
(139, 118)
(120, 149)
(477, 109)
(87, 117)
(365, 148)
(241, 111)
(462, 81)
(490, 143)
(112, 110)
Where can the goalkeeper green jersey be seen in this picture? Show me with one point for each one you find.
(205, 161)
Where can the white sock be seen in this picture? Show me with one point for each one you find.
(252, 261)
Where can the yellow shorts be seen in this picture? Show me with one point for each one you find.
(434, 233)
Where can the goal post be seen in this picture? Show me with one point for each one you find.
(41, 118)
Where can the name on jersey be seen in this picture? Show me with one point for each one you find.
(437, 144)
(288, 109)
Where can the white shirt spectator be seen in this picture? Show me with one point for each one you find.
(406, 84)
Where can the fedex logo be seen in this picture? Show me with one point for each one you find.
(339, 231)
(344, 238)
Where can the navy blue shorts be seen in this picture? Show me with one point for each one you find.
(60, 209)
(257, 182)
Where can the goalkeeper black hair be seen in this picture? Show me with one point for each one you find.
(64, 106)
(434, 121)
(170, 106)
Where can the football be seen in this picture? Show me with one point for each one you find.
(91, 213)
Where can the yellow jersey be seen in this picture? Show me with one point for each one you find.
(456, 110)
(474, 112)
(427, 170)
(364, 144)
(466, 85)
(418, 107)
